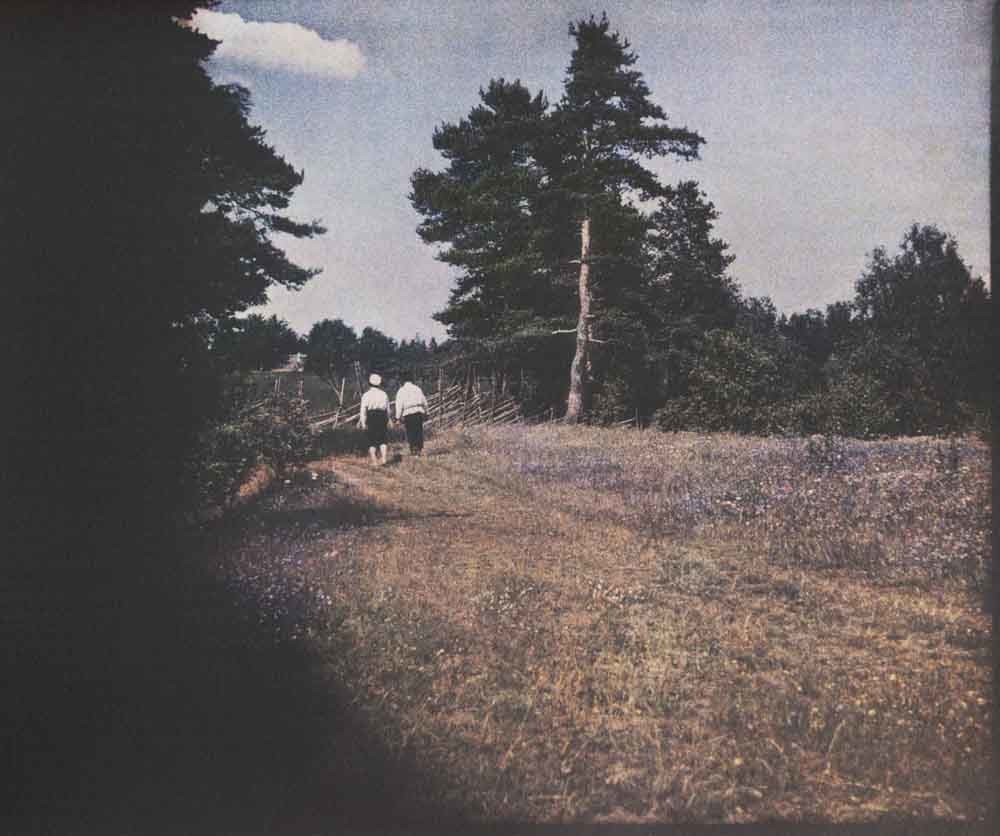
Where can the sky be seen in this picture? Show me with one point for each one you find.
(830, 128)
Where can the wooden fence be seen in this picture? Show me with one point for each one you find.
(475, 400)
(451, 407)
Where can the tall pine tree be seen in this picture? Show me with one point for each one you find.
(485, 207)
(602, 128)
(540, 211)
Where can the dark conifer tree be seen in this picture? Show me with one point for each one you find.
(138, 208)
(254, 343)
(603, 127)
(376, 352)
(485, 207)
(690, 292)
(537, 207)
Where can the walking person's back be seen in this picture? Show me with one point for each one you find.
(411, 408)
(374, 419)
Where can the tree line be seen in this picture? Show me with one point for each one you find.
(331, 348)
(607, 294)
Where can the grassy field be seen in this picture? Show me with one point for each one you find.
(558, 624)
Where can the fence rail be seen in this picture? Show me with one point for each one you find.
(457, 405)
(448, 408)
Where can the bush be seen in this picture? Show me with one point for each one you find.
(273, 432)
(279, 430)
(738, 383)
(612, 403)
(885, 387)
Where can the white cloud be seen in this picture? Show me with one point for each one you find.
(280, 46)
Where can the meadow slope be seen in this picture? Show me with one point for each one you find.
(564, 624)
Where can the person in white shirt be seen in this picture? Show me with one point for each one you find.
(411, 407)
(374, 419)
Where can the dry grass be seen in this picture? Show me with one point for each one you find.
(598, 625)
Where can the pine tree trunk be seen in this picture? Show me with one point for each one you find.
(578, 370)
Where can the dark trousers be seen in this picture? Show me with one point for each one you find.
(414, 423)
(376, 427)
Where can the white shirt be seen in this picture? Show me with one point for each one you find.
(410, 400)
(374, 398)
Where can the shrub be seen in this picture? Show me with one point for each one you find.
(740, 382)
(612, 403)
(246, 436)
(885, 387)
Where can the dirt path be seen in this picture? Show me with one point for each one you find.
(447, 522)
(488, 599)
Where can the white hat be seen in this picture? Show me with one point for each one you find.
(375, 379)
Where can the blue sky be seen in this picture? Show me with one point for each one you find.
(830, 127)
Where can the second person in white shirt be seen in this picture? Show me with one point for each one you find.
(411, 407)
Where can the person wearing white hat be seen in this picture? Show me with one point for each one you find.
(374, 419)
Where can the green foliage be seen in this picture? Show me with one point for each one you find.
(666, 327)
(602, 129)
(331, 347)
(488, 208)
(924, 335)
(273, 432)
(810, 333)
(376, 351)
(689, 293)
(484, 207)
(911, 354)
(738, 382)
(690, 286)
(612, 401)
(714, 385)
(254, 343)
(415, 355)
(606, 123)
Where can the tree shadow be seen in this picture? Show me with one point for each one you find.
(148, 698)
(338, 513)
(436, 515)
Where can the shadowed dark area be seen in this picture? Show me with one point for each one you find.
(148, 699)
(328, 518)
